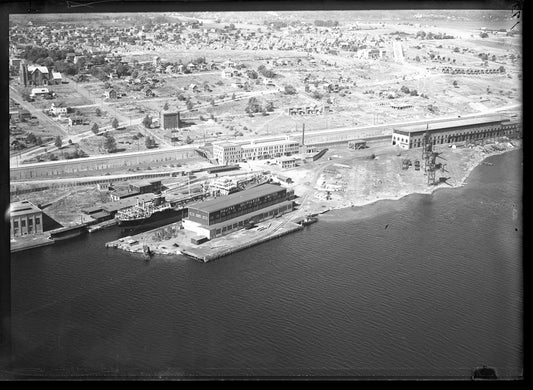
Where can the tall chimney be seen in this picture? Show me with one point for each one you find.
(303, 134)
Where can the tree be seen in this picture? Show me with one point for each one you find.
(94, 128)
(189, 140)
(149, 142)
(58, 142)
(455, 84)
(38, 140)
(269, 106)
(252, 74)
(484, 35)
(165, 107)
(98, 112)
(189, 104)
(212, 101)
(114, 123)
(233, 96)
(414, 92)
(253, 106)
(316, 95)
(147, 121)
(110, 144)
(404, 89)
(290, 90)
(31, 139)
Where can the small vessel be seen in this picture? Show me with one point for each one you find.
(308, 220)
(484, 372)
(147, 252)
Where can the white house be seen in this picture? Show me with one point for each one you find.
(58, 110)
(39, 91)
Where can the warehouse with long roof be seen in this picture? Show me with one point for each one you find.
(218, 217)
(471, 129)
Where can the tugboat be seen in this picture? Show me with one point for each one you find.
(146, 213)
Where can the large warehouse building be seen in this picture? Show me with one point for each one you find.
(227, 214)
(471, 129)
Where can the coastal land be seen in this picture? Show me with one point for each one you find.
(344, 179)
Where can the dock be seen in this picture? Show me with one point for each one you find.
(102, 225)
(29, 242)
(173, 240)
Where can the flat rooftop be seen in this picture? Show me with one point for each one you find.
(450, 124)
(23, 207)
(236, 198)
(120, 204)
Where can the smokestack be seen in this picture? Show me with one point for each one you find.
(303, 134)
(178, 120)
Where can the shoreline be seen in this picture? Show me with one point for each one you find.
(429, 191)
(216, 252)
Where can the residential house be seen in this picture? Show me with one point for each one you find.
(58, 110)
(110, 94)
(56, 78)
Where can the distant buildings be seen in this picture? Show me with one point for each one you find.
(471, 129)
(25, 218)
(230, 152)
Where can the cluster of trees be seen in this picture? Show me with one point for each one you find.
(268, 73)
(33, 139)
(76, 153)
(430, 35)
(483, 35)
(254, 107)
(149, 142)
(252, 74)
(412, 92)
(52, 58)
(289, 90)
(326, 23)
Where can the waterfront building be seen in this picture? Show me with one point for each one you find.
(221, 216)
(25, 219)
(227, 152)
(471, 129)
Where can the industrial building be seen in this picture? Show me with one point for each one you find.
(221, 216)
(231, 152)
(57, 168)
(264, 150)
(25, 218)
(471, 129)
(227, 153)
(169, 120)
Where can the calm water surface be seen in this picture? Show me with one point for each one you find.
(424, 286)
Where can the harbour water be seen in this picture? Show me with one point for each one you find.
(426, 286)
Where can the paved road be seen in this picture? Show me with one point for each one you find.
(43, 118)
